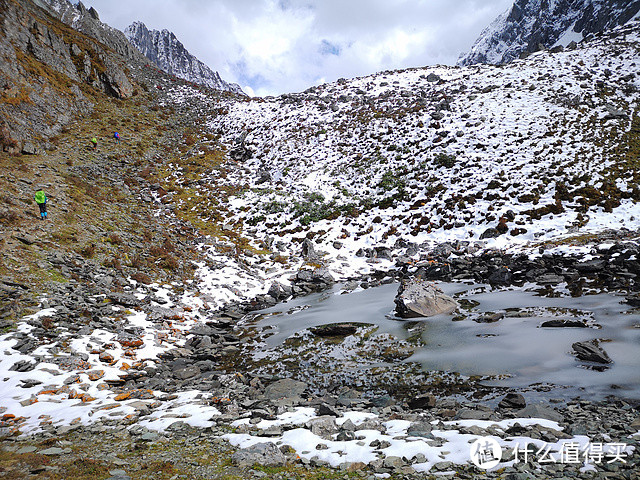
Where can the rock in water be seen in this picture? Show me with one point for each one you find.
(418, 298)
(513, 400)
(591, 352)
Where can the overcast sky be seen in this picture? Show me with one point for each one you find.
(277, 46)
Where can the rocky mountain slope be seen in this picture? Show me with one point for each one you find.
(169, 54)
(53, 73)
(527, 154)
(532, 25)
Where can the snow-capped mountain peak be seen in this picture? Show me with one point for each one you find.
(167, 52)
(532, 25)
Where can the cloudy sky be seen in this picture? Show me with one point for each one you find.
(276, 46)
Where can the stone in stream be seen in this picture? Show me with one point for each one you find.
(336, 329)
(591, 352)
(564, 324)
(418, 298)
(513, 400)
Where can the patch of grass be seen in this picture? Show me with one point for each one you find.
(66, 235)
(85, 468)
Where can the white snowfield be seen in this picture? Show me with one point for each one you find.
(366, 163)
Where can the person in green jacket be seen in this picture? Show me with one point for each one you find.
(41, 200)
(94, 142)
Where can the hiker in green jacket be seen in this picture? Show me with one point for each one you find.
(41, 200)
(94, 141)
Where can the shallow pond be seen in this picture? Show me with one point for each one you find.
(514, 351)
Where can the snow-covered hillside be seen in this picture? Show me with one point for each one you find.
(541, 149)
(170, 55)
(531, 25)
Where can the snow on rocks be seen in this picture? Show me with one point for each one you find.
(433, 155)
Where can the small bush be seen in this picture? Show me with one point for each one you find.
(444, 160)
(141, 278)
(114, 239)
(113, 263)
(8, 217)
(158, 252)
(171, 263)
(136, 261)
(88, 251)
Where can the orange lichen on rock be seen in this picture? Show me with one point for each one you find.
(106, 358)
(95, 375)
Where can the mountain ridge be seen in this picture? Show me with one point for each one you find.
(531, 25)
(167, 52)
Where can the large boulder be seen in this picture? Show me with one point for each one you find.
(591, 352)
(265, 454)
(419, 298)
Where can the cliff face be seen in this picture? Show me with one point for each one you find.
(532, 25)
(170, 55)
(51, 72)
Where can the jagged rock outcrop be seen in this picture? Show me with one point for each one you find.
(50, 71)
(170, 55)
(532, 25)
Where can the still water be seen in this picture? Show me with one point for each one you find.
(515, 348)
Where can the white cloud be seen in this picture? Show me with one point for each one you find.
(277, 46)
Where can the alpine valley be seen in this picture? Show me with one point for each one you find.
(213, 295)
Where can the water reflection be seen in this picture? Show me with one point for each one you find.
(516, 348)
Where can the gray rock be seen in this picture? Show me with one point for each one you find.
(550, 279)
(394, 462)
(490, 233)
(285, 389)
(52, 451)
(417, 298)
(188, 372)
(539, 411)
(29, 149)
(308, 251)
(27, 449)
(564, 324)
(422, 401)
(613, 113)
(591, 352)
(432, 77)
(266, 454)
(26, 239)
(473, 414)
(279, 291)
(348, 426)
(512, 400)
(419, 429)
(324, 427)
